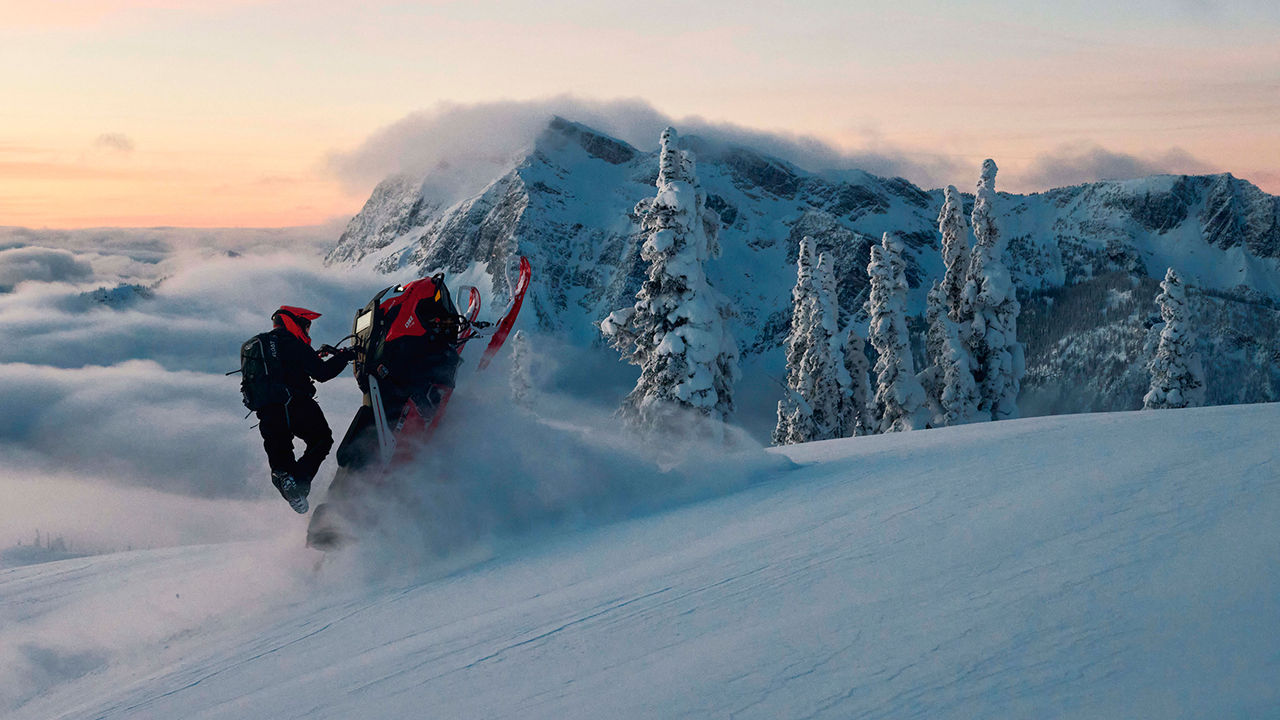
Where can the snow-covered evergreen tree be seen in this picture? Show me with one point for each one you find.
(795, 418)
(856, 416)
(795, 415)
(935, 310)
(521, 375)
(824, 358)
(954, 390)
(949, 381)
(900, 400)
(958, 400)
(1177, 378)
(990, 305)
(812, 406)
(955, 251)
(677, 331)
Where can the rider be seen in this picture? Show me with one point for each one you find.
(299, 416)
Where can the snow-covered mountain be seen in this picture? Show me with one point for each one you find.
(1090, 566)
(1086, 259)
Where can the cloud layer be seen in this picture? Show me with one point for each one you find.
(116, 409)
(40, 264)
(475, 141)
(114, 390)
(1083, 163)
(464, 147)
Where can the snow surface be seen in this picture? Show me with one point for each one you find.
(1119, 565)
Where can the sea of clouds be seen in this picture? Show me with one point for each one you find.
(120, 427)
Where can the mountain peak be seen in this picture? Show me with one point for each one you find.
(561, 132)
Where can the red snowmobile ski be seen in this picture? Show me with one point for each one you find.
(407, 351)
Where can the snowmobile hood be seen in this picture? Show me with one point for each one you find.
(407, 323)
(296, 320)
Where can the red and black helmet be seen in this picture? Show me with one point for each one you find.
(296, 320)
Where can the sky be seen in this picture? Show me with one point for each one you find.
(240, 113)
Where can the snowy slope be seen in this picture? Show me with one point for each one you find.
(1118, 565)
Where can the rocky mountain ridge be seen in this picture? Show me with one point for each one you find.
(568, 204)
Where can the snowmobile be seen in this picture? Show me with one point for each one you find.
(408, 343)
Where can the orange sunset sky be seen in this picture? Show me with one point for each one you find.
(169, 112)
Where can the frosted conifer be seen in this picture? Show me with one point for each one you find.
(900, 400)
(935, 311)
(795, 415)
(856, 416)
(959, 398)
(816, 405)
(521, 377)
(955, 395)
(676, 331)
(812, 407)
(991, 306)
(795, 418)
(1177, 378)
(955, 251)
(824, 358)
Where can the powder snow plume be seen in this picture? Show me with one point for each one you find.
(496, 474)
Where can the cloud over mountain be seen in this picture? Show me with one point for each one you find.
(468, 145)
(1073, 164)
(480, 138)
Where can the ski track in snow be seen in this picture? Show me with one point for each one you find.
(1117, 565)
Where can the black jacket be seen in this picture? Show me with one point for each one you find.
(301, 364)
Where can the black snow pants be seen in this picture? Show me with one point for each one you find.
(302, 418)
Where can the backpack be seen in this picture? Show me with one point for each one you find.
(261, 376)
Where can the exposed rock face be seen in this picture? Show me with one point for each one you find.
(569, 206)
(395, 207)
(1159, 211)
(596, 145)
(751, 170)
(846, 200)
(477, 231)
(1237, 213)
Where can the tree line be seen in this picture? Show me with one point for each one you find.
(677, 331)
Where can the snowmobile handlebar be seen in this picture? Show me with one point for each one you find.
(327, 350)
